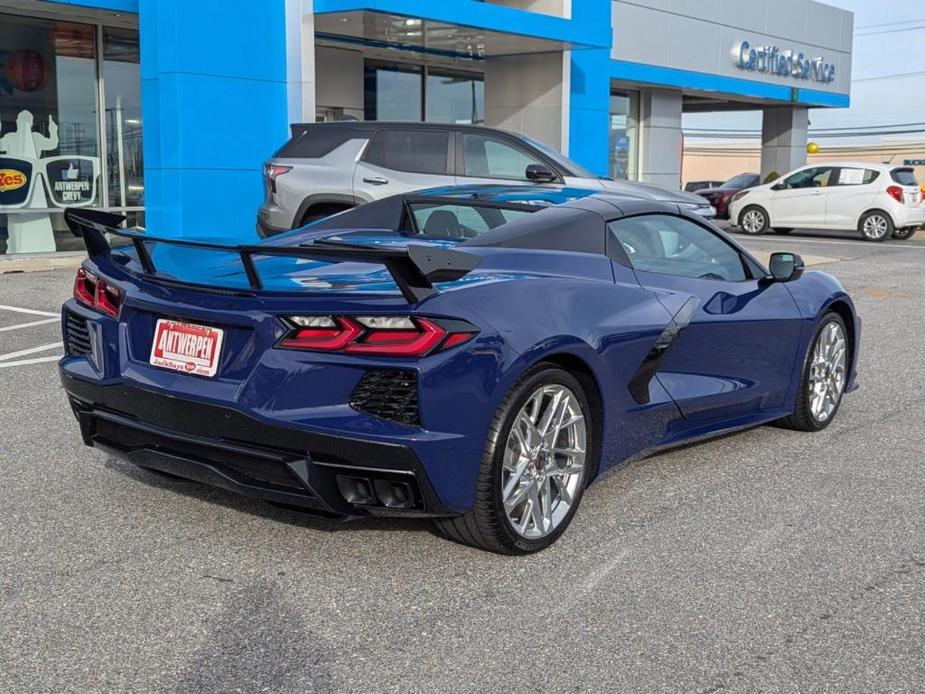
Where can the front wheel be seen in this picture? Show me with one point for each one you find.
(754, 220)
(875, 226)
(824, 377)
(905, 234)
(535, 466)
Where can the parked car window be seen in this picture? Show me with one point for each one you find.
(460, 221)
(850, 176)
(904, 177)
(487, 157)
(817, 177)
(742, 181)
(676, 246)
(416, 151)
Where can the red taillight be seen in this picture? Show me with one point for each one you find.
(395, 336)
(85, 287)
(895, 192)
(94, 292)
(272, 172)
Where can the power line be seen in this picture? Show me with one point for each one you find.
(889, 24)
(894, 76)
(889, 31)
(833, 129)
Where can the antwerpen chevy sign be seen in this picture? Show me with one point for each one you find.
(790, 63)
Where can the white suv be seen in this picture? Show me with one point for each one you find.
(878, 200)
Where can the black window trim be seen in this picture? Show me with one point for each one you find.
(754, 271)
(508, 139)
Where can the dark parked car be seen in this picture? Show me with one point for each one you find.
(697, 186)
(721, 196)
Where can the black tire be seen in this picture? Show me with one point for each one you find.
(884, 230)
(487, 526)
(320, 211)
(782, 230)
(754, 220)
(905, 234)
(802, 418)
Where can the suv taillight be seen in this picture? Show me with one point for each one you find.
(272, 172)
(384, 336)
(94, 292)
(895, 192)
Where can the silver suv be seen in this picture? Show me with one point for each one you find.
(326, 168)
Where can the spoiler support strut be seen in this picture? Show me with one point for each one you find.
(414, 268)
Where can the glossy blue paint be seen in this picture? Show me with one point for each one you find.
(213, 106)
(688, 79)
(736, 364)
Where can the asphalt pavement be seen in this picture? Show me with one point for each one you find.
(767, 561)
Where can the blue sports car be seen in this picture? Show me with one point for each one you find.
(477, 355)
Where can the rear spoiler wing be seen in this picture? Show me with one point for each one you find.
(415, 267)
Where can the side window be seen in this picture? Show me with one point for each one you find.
(856, 177)
(487, 157)
(818, 177)
(460, 221)
(676, 246)
(415, 151)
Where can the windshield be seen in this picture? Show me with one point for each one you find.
(561, 159)
(740, 181)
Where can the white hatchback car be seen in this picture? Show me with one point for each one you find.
(878, 200)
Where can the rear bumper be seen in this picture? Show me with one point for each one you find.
(909, 216)
(226, 448)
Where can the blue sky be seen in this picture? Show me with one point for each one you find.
(873, 102)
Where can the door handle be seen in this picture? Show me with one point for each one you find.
(817, 192)
(376, 180)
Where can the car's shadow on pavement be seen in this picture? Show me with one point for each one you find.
(262, 509)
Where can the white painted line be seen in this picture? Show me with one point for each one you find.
(24, 362)
(31, 311)
(31, 350)
(44, 321)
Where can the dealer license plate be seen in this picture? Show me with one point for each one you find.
(186, 347)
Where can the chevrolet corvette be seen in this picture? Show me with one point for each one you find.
(476, 355)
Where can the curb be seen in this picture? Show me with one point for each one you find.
(44, 262)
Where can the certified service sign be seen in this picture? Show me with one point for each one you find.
(790, 63)
(15, 180)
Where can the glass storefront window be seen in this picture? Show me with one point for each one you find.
(455, 98)
(122, 85)
(398, 92)
(624, 135)
(393, 92)
(51, 152)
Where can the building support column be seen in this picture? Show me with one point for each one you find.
(783, 139)
(589, 94)
(212, 115)
(660, 139)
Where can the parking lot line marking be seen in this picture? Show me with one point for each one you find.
(32, 311)
(24, 362)
(44, 321)
(31, 350)
(833, 242)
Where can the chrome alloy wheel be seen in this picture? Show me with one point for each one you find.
(544, 461)
(876, 226)
(828, 371)
(753, 221)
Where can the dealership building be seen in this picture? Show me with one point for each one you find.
(165, 110)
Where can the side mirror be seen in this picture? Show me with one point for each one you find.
(540, 173)
(777, 186)
(786, 267)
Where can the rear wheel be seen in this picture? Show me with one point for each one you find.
(905, 234)
(875, 225)
(322, 210)
(824, 377)
(534, 466)
(754, 220)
